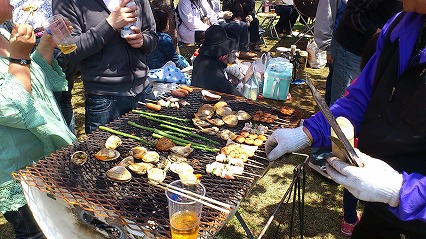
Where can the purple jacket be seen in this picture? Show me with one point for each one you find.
(412, 204)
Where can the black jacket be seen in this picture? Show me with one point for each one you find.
(360, 21)
(209, 73)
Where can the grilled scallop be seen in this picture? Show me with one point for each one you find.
(205, 111)
(151, 157)
(220, 104)
(216, 122)
(140, 168)
(208, 96)
(210, 131)
(243, 116)
(138, 152)
(156, 174)
(107, 154)
(200, 123)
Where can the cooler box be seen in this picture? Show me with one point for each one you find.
(278, 77)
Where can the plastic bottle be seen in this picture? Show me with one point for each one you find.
(126, 29)
(251, 88)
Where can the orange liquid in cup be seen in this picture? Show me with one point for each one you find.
(185, 225)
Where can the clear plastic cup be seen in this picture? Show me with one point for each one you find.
(184, 213)
(56, 26)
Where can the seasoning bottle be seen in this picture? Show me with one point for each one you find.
(126, 29)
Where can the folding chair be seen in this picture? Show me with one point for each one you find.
(307, 10)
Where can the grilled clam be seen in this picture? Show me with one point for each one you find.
(176, 158)
(208, 96)
(200, 123)
(151, 157)
(210, 131)
(227, 134)
(205, 111)
(126, 161)
(156, 174)
(230, 120)
(216, 122)
(164, 164)
(179, 167)
(107, 154)
(243, 116)
(79, 157)
(113, 142)
(220, 104)
(224, 111)
(182, 150)
(140, 168)
(119, 174)
(138, 152)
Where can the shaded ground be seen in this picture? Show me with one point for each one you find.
(323, 198)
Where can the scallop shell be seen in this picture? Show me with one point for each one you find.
(220, 104)
(200, 123)
(140, 168)
(119, 173)
(156, 174)
(79, 157)
(227, 134)
(243, 116)
(230, 120)
(205, 111)
(151, 157)
(107, 154)
(208, 96)
(138, 152)
(113, 142)
(224, 111)
(182, 150)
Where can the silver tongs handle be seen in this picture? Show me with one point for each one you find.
(341, 141)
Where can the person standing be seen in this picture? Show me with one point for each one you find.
(385, 107)
(288, 16)
(31, 124)
(113, 68)
(360, 21)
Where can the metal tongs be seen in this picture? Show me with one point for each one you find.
(341, 141)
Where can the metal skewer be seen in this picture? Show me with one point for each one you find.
(181, 193)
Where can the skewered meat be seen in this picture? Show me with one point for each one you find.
(224, 170)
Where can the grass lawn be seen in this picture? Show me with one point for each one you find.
(323, 198)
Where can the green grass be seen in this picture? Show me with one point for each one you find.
(323, 198)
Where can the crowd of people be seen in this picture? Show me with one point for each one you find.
(383, 104)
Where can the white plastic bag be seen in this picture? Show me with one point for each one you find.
(316, 58)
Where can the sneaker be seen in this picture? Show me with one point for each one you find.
(347, 228)
(318, 160)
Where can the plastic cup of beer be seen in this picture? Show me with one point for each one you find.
(56, 26)
(185, 213)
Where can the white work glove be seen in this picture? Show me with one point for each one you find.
(375, 182)
(284, 141)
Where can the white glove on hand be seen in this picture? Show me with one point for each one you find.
(375, 182)
(284, 141)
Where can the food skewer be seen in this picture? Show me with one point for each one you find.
(257, 156)
(168, 188)
(243, 177)
(254, 161)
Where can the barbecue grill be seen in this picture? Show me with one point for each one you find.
(137, 207)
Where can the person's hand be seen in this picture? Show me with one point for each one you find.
(227, 14)
(249, 18)
(135, 39)
(122, 15)
(375, 182)
(22, 41)
(284, 141)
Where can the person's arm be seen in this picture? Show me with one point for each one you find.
(356, 16)
(144, 37)
(190, 18)
(412, 203)
(323, 29)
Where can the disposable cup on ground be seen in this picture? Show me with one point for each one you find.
(184, 213)
(56, 26)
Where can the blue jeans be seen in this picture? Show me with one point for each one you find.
(24, 224)
(102, 109)
(346, 66)
(240, 29)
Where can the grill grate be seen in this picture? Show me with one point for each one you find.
(136, 204)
